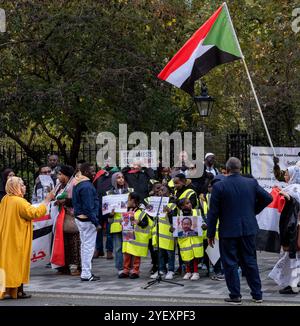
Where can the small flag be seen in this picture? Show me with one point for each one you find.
(214, 43)
(268, 238)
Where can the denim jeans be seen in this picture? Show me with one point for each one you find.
(117, 241)
(99, 240)
(166, 256)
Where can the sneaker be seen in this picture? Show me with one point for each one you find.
(153, 276)
(134, 276)
(257, 300)
(169, 276)
(123, 275)
(153, 270)
(236, 301)
(187, 276)
(93, 278)
(195, 277)
(218, 277)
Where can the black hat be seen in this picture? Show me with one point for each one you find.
(67, 170)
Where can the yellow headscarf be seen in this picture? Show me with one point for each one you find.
(13, 186)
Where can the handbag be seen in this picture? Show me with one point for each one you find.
(70, 224)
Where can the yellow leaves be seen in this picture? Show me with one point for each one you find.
(147, 28)
(170, 22)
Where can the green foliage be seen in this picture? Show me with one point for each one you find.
(69, 68)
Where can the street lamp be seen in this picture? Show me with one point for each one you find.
(204, 102)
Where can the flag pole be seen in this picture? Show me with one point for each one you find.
(250, 79)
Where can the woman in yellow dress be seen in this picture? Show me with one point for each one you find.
(16, 215)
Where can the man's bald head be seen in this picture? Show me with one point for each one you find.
(233, 165)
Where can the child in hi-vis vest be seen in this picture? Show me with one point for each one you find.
(191, 247)
(134, 249)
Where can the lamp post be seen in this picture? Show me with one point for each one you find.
(204, 102)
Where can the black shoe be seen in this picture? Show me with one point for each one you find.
(123, 275)
(287, 290)
(93, 278)
(236, 301)
(133, 276)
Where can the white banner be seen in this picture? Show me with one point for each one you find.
(262, 164)
(116, 202)
(146, 158)
(41, 243)
(153, 204)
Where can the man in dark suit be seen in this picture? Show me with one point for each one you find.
(235, 201)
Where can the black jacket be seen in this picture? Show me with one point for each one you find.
(288, 226)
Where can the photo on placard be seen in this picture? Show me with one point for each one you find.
(187, 226)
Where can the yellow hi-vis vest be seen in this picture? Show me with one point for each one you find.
(205, 205)
(139, 246)
(116, 225)
(166, 239)
(191, 247)
(187, 194)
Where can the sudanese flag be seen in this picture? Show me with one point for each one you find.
(213, 44)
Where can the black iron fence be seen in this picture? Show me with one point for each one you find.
(238, 145)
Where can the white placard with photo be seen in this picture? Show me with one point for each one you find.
(153, 204)
(116, 202)
(187, 226)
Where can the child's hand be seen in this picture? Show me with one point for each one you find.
(172, 229)
(167, 209)
(204, 226)
(112, 213)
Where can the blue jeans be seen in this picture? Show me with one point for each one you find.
(166, 256)
(99, 240)
(117, 241)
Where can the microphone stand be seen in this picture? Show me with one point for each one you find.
(158, 278)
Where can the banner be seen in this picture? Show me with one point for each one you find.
(153, 204)
(146, 158)
(187, 226)
(41, 242)
(262, 164)
(116, 202)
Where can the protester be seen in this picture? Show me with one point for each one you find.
(209, 172)
(102, 183)
(70, 230)
(191, 247)
(286, 272)
(182, 165)
(44, 183)
(165, 239)
(16, 231)
(119, 186)
(184, 189)
(235, 202)
(138, 178)
(53, 163)
(6, 174)
(86, 209)
(134, 249)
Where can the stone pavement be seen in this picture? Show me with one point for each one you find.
(45, 281)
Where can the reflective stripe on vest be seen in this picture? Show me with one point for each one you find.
(116, 225)
(139, 246)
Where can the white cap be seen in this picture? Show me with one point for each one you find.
(298, 164)
(209, 154)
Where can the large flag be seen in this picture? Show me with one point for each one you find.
(268, 221)
(214, 43)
